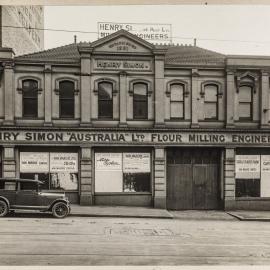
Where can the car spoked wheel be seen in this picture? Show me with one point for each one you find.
(60, 210)
(3, 208)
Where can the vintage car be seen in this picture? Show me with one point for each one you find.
(24, 194)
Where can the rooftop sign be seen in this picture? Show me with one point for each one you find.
(155, 33)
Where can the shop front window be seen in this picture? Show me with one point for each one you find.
(122, 172)
(57, 171)
(252, 173)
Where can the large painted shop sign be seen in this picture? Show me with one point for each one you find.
(166, 137)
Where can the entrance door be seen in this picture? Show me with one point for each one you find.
(193, 179)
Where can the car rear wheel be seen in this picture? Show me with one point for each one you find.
(3, 208)
(60, 210)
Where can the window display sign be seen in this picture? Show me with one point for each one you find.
(64, 180)
(265, 175)
(136, 162)
(64, 162)
(108, 161)
(34, 162)
(247, 166)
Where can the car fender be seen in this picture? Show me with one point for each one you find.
(56, 201)
(6, 200)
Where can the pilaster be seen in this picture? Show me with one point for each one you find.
(230, 97)
(159, 178)
(264, 100)
(86, 197)
(48, 95)
(194, 98)
(123, 99)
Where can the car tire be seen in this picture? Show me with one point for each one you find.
(3, 208)
(60, 210)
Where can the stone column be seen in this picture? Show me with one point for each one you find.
(160, 178)
(230, 97)
(159, 90)
(9, 93)
(9, 163)
(86, 176)
(86, 91)
(264, 100)
(194, 98)
(123, 99)
(229, 179)
(48, 95)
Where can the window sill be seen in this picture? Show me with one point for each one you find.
(122, 193)
(252, 198)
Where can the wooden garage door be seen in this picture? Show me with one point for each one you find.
(193, 177)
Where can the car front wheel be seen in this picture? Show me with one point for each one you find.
(60, 210)
(3, 208)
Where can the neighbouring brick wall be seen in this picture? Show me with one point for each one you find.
(159, 178)
(86, 176)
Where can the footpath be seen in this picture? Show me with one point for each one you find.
(145, 212)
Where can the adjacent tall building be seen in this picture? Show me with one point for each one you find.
(23, 35)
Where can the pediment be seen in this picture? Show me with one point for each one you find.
(122, 42)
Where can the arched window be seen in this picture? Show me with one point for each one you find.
(245, 99)
(105, 100)
(210, 101)
(30, 98)
(177, 100)
(66, 99)
(140, 101)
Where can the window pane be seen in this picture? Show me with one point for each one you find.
(66, 89)
(177, 91)
(67, 108)
(177, 109)
(64, 181)
(140, 109)
(136, 182)
(140, 91)
(66, 99)
(245, 94)
(30, 107)
(29, 85)
(247, 188)
(105, 109)
(210, 110)
(244, 110)
(104, 91)
(210, 93)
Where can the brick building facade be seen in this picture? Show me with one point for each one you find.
(120, 121)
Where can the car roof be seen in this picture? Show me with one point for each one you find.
(21, 180)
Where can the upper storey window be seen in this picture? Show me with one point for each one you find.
(140, 101)
(105, 100)
(245, 98)
(210, 101)
(30, 98)
(177, 100)
(66, 99)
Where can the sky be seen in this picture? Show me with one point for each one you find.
(228, 29)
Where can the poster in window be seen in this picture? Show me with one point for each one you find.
(108, 172)
(63, 162)
(247, 166)
(34, 162)
(136, 162)
(108, 161)
(64, 180)
(265, 175)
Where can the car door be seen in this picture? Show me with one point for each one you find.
(27, 195)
